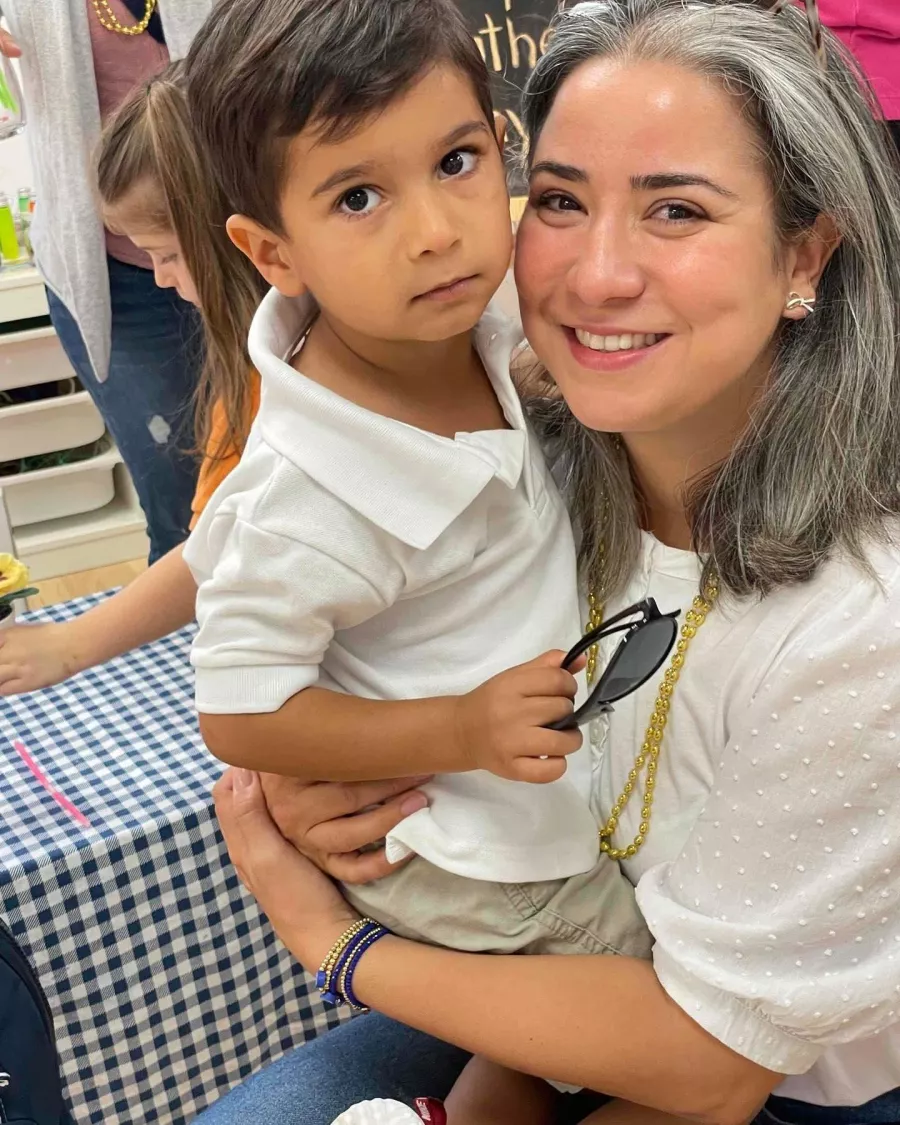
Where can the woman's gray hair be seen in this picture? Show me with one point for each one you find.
(819, 465)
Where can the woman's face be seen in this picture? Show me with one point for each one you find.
(646, 262)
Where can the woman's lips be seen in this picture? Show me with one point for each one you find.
(612, 351)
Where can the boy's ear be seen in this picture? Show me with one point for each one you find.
(500, 127)
(267, 252)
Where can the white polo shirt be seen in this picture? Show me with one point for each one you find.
(354, 552)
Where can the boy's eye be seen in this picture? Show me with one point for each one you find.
(458, 162)
(359, 201)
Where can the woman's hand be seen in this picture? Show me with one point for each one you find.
(336, 824)
(305, 908)
(8, 46)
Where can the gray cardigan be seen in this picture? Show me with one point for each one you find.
(63, 129)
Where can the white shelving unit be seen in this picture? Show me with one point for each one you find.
(112, 531)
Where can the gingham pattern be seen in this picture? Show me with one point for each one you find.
(166, 985)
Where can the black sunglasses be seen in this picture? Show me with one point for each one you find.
(648, 640)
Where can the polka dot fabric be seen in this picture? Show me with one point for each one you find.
(771, 877)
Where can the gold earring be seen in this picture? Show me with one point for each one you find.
(795, 301)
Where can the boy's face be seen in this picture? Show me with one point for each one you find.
(401, 231)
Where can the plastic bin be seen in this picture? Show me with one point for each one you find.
(64, 490)
(30, 357)
(48, 425)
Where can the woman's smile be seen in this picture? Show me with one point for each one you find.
(613, 350)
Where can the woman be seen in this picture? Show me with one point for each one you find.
(698, 182)
(135, 348)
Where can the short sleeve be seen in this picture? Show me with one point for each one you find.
(777, 928)
(220, 457)
(267, 609)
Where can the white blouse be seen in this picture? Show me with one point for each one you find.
(771, 874)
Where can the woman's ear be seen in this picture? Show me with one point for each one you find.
(268, 252)
(812, 254)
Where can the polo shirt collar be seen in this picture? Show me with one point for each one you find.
(368, 460)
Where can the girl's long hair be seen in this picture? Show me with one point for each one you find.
(818, 466)
(150, 167)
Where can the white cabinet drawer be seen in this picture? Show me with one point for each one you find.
(22, 294)
(31, 357)
(63, 490)
(46, 426)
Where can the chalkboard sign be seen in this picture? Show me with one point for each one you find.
(511, 36)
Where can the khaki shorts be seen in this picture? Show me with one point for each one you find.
(591, 913)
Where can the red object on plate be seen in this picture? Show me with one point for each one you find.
(431, 1110)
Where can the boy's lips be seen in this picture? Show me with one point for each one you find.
(449, 291)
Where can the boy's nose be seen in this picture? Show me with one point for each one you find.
(431, 230)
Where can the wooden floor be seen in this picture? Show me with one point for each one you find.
(53, 590)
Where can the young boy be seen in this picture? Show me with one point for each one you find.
(392, 547)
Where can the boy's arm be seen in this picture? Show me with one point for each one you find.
(320, 735)
(268, 608)
(156, 603)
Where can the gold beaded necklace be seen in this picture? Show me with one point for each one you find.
(110, 20)
(649, 754)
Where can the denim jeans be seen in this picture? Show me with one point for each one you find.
(374, 1057)
(147, 400)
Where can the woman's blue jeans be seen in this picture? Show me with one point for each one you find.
(147, 400)
(374, 1057)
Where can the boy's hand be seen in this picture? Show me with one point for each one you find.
(501, 725)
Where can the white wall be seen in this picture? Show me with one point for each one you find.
(15, 167)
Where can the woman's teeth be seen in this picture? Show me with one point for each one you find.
(627, 342)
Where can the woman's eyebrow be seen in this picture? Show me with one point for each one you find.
(563, 171)
(654, 181)
(659, 181)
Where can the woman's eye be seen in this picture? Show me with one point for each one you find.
(168, 259)
(556, 201)
(359, 201)
(676, 213)
(458, 162)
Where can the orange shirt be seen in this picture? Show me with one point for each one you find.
(214, 470)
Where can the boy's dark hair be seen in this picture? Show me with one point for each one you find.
(260, 71)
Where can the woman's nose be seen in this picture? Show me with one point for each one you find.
(606, 267)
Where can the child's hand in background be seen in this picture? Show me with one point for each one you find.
(501, 726)
(36, 656)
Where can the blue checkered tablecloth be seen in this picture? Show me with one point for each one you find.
(166, 985)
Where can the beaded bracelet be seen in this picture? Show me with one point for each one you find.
(345, 979)
(326, 969)
(334, 980)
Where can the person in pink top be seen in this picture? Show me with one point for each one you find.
(134, 346)
(871, 29)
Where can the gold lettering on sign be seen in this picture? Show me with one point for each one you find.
(504, 47)
(515, 38)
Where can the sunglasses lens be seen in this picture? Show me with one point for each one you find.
(637, 660)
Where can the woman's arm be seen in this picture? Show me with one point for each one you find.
(600, 1022)
(156, 603)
